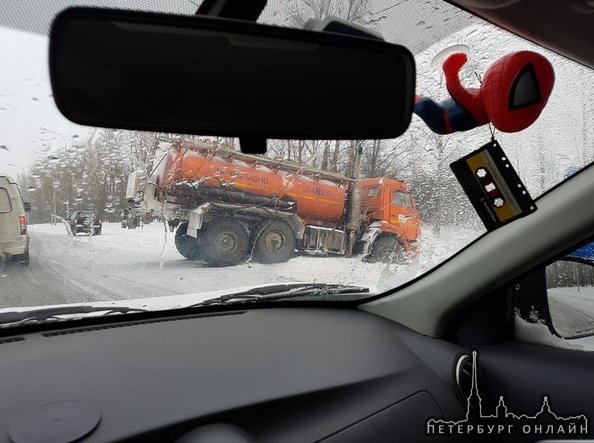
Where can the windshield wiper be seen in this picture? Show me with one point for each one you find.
(264, 293)
(278, 292)
(45, 314)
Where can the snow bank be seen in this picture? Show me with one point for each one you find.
(582, 292)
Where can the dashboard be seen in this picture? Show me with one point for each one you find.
(265, 374)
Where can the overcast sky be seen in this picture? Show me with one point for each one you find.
(26, 103)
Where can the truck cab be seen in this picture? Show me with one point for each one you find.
(390, 208)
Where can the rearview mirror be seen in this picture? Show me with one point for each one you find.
(213, 76)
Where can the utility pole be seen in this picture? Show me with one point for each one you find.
(54, 200)
(355, 208)
(53, 216)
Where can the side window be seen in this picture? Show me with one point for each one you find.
(400, 198)
(373, 192)
(5, 204)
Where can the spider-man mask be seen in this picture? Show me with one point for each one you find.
(515, 90)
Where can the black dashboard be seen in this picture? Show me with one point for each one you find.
(278, 374)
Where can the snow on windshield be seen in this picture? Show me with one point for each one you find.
(214, 220)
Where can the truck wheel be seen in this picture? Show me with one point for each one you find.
(275, 244)
(386, 249)
(187, 246)
(224, 242)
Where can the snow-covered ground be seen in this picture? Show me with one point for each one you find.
(144, 263)
(153, 245)
(142, 268)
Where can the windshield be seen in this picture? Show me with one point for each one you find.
(182, 219)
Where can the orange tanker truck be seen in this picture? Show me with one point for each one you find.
(227, 207)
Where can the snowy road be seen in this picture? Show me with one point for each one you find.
(67, 269)
(572, 311)
(125, 264)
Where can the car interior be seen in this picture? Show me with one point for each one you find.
(336, 369)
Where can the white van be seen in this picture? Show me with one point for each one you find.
(14, 236)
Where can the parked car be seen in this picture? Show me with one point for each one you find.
(14, 238)
(85, 221)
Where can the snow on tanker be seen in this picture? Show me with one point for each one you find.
(227, 206)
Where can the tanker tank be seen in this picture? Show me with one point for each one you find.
(319, 196)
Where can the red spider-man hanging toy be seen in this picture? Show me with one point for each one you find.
(513, 93)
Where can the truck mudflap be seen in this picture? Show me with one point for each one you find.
(366, 241)
(373, 231)
(196, 219)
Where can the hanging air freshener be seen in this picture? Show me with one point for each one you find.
(493, 186)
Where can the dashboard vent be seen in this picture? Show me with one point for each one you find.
(11, 340)
(137, 323)
(463, 375)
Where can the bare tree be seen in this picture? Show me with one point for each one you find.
(355, 11)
